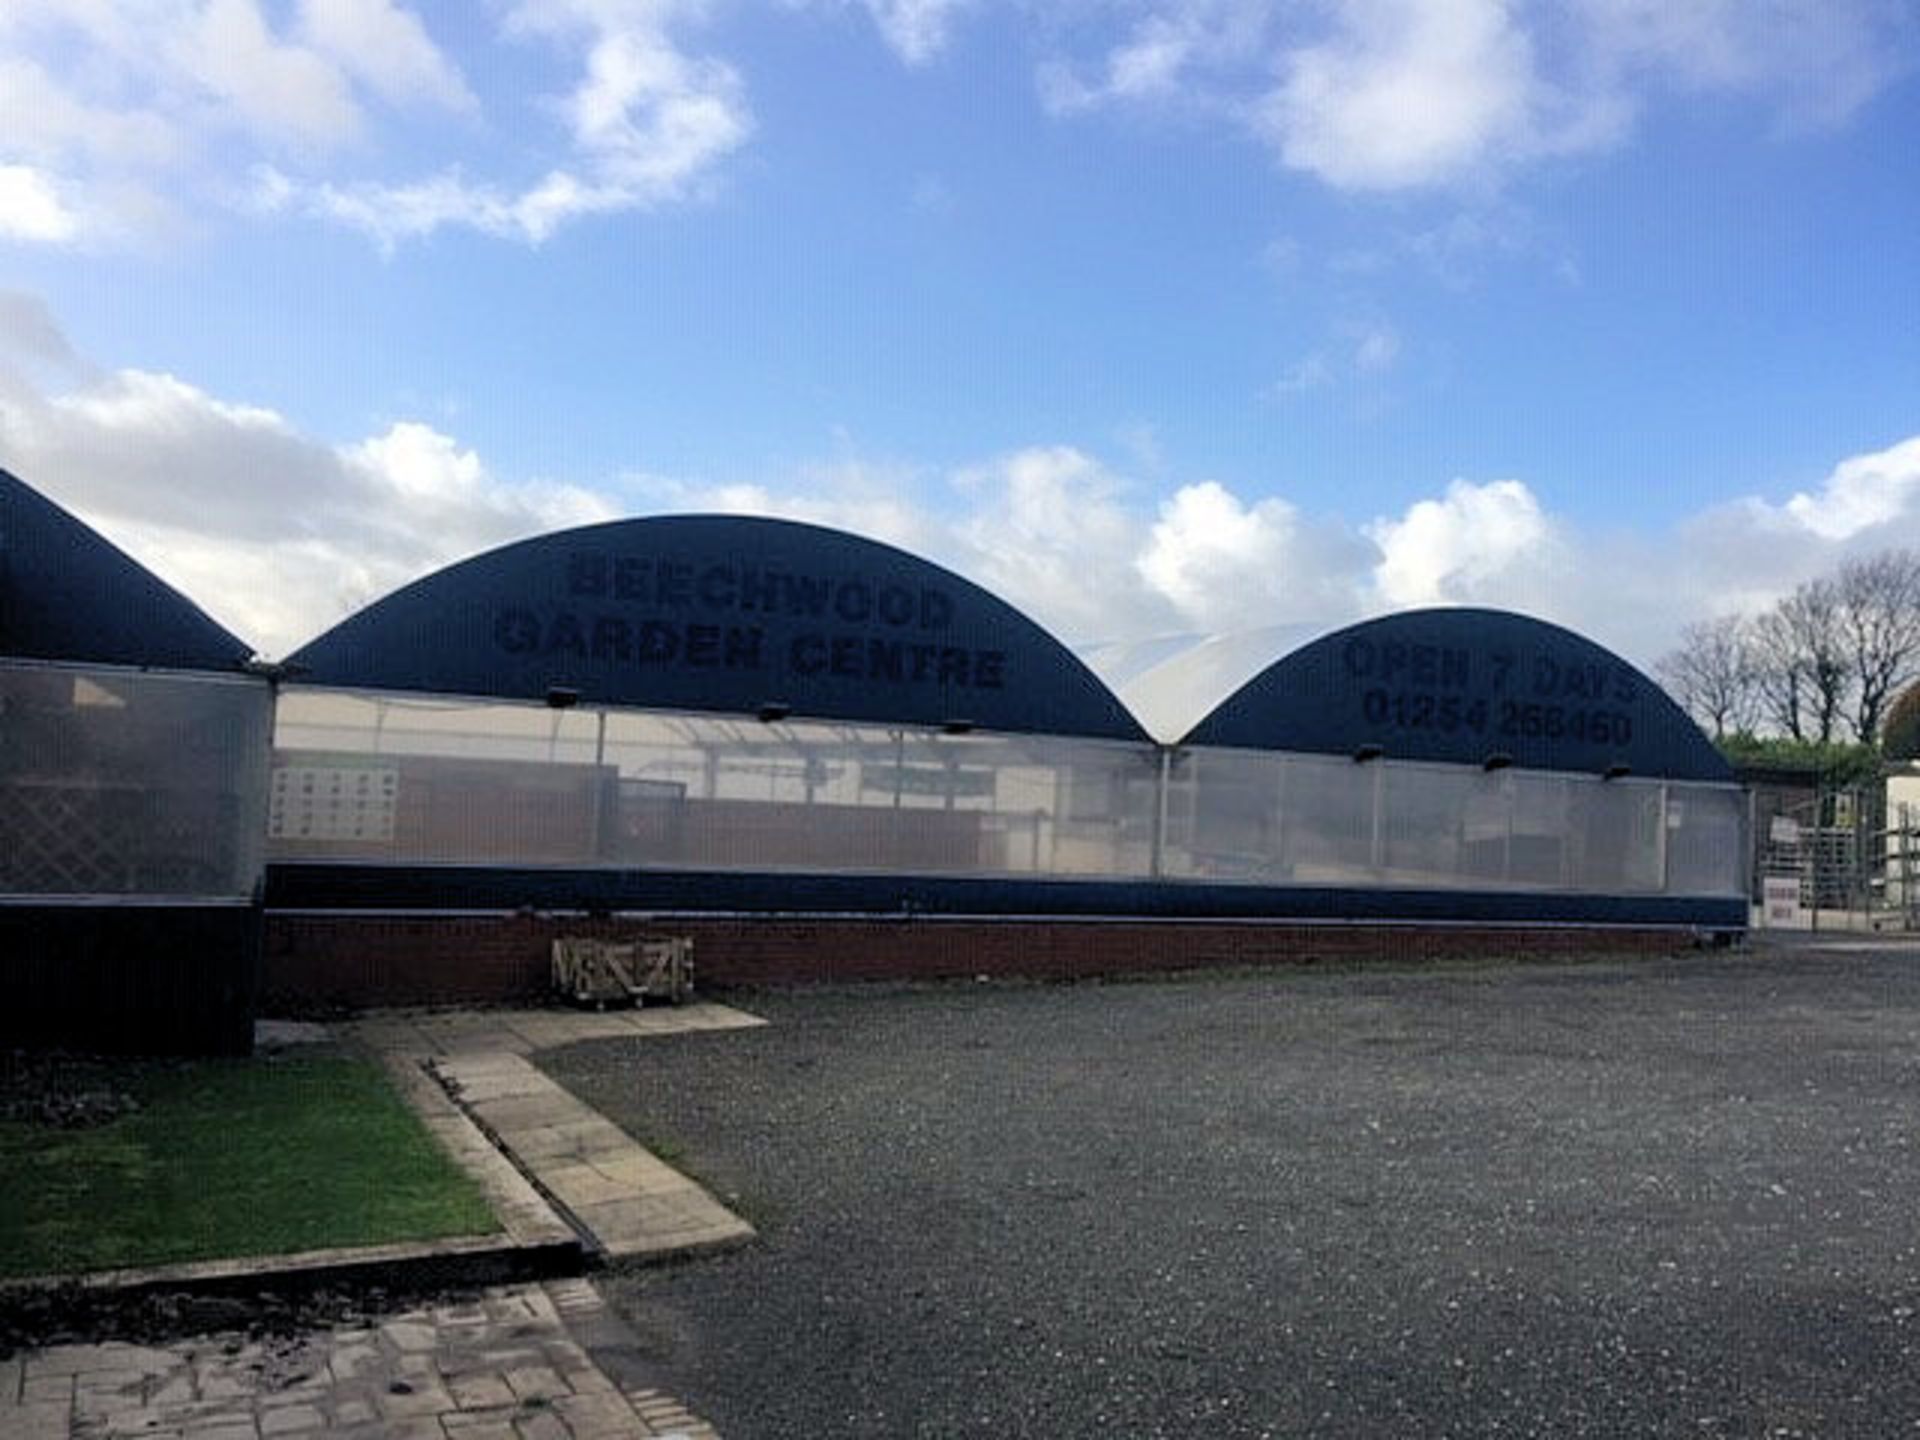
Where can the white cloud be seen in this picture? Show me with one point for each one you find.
(31, 338)
(917, 30)
(1820, 60)
(1177, 54)
(1365, 352)
(867, 498)
(124, 100)
(1475, 544)
(280, 91)
(1406, 93)
(1862, 494)
(648, 123)
(31, 208)
(130, 109)
(1040, 523)
(1390, 95)
(1376, 349)
(1228, 565)
(280, 533)
(1309, 372)
(48, 123)
(1148, 65)
(276, 533)
(387, 48)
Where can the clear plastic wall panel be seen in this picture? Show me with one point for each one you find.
(414, 725)
(1540, 852)
(1101, 814)
(1706, 840)
(128, 783)
(1616, 835)
(1427, 815)
(399, 778)
(1328, 814)
(1225, 813)
(404, 778)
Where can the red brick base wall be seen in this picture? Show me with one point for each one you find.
(356, 961)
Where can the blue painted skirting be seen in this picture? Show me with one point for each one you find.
(348, 887)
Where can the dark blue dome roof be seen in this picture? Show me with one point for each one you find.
(1461, 685)
(722, 613)
(68, 594)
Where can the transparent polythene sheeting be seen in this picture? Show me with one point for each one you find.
(1296, 819)
(431, 780)
(131, 784)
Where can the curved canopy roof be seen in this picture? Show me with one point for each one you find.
(1466, 686)
(68, 594)
(727, 613)
(1180, 684)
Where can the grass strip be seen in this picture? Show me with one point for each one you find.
(229, 1158)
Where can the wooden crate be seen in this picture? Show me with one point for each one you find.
(626, 972)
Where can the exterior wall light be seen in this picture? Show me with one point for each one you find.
(1363, 753)
(273, 671)
(1498, 760)
(562, 697)
(772, 711)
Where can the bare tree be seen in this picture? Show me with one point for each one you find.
(1779, 675)
(1804, 668)
(1714, 673)
(1879, 613)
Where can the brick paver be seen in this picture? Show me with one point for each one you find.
(504, 1366)
(507, 1364)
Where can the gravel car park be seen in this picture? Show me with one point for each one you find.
(1623, 1196)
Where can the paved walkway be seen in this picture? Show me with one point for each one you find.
(425, 1033)
(626, 1203)
(504, 1366)
(524, 1362)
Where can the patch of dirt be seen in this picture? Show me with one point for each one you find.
(66, 1092)
(76, 1315)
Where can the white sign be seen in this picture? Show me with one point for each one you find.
(332, 802)
(1780, 903)
(1784, 830)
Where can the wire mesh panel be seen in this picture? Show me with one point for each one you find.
(130, 783)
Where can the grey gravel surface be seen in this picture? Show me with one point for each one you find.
(1674, 1197)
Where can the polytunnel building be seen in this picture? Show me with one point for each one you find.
(816, 755)
(733, 721)
(133, 775)
(822, 756)
(1456, 765)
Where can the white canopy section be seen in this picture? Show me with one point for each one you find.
(1171, 682)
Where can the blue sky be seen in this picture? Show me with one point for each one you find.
(1153, 317)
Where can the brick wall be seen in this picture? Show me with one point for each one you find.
(355, 961)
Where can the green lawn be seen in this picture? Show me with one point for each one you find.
(227, 1158)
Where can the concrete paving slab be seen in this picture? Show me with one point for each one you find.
(522, 1031)
(627, 1201)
